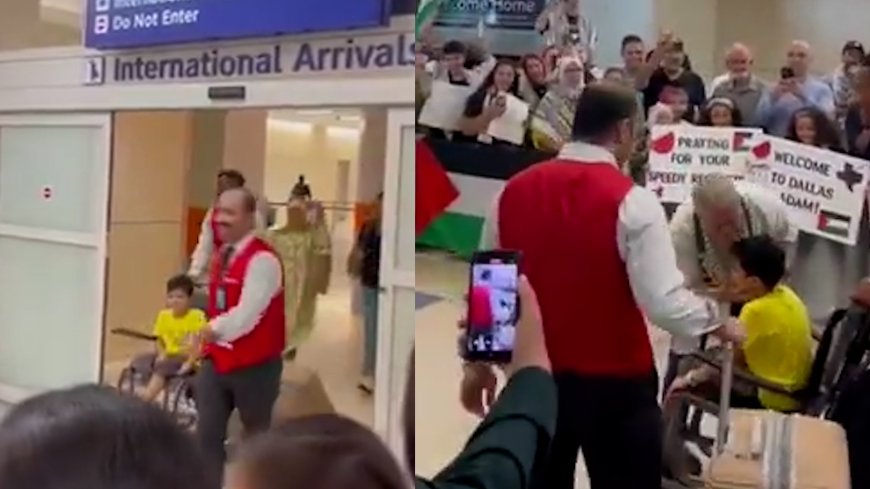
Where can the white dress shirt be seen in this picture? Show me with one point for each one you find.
(205, 243)
(645, 246)
(262, 282)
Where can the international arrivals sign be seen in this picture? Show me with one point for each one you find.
(351, 55)
(119, 24)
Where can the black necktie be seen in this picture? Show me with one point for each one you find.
(226, 255)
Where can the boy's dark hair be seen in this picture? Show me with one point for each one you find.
(234, 176)
(182, 283)
(92, 437)
(324, 451)
(761, 257)
(630, 39)
(600, 107)
(455, 47)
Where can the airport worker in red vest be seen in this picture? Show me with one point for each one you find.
(598, 251)
(245, 336)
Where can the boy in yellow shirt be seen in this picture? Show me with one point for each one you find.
(778, 346)
(177, 327)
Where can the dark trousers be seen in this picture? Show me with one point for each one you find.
(618, 425)
(253, 391)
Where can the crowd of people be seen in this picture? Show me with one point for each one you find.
(831, 111)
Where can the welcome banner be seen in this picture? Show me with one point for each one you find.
(824, 190)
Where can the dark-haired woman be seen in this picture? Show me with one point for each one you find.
(488, 103)
(93, 438)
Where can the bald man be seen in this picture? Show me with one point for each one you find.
(795, 90)
(738, 84)
(245, 336)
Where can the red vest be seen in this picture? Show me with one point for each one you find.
(562, 216)
(267, 340)
(216, 240)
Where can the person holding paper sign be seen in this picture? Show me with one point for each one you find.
(490, 102)
(813, 127)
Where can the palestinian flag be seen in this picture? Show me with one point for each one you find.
(433, 189)
(834, 223)
(478, 172)
(427, 10)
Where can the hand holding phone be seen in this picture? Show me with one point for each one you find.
(493, 306)
(479, 382)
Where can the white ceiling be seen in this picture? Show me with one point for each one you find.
(351, 118)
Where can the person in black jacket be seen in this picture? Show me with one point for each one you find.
(509, 447)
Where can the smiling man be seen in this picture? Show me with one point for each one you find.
(245, 336)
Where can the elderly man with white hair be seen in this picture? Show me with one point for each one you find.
(795, 90)
(739, 84)
(704, 228)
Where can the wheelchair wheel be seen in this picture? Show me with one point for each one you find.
(181, 405)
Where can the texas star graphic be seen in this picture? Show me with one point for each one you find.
(849, 176)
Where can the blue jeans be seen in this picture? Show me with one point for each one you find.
(370, 329)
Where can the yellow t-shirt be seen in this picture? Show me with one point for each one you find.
(779, 343)
(175, 332)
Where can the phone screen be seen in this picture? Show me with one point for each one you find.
(493, 306)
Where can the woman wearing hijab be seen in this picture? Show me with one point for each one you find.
(553, 117)
(305, 248)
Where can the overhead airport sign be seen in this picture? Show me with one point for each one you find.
(360, 55)
(118, 24)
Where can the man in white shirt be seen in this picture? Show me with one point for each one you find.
(719, 213)
(209, 239)
(597, 250)
(245, 336)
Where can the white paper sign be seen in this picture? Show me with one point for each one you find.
(680, 155)
(823, 190)
(510, 126)
(445, 105)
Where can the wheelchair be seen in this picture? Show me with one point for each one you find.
(178, 397)
(841, 351)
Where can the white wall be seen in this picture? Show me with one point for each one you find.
(710, 26)
(294, 148)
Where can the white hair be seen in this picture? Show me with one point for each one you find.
(715, 191)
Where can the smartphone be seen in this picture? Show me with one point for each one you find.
(786, 73)
(493, 306)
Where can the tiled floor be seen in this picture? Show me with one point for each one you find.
(442, 427)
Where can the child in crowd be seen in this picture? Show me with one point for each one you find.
(813, 127)
(778, 347)
(720, 112)
(677, 98)
(177, 329)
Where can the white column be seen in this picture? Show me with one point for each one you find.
(372, 155)
(695, 23)
(245, 145)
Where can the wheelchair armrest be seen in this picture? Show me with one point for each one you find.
(742, 374)
(132, 333)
